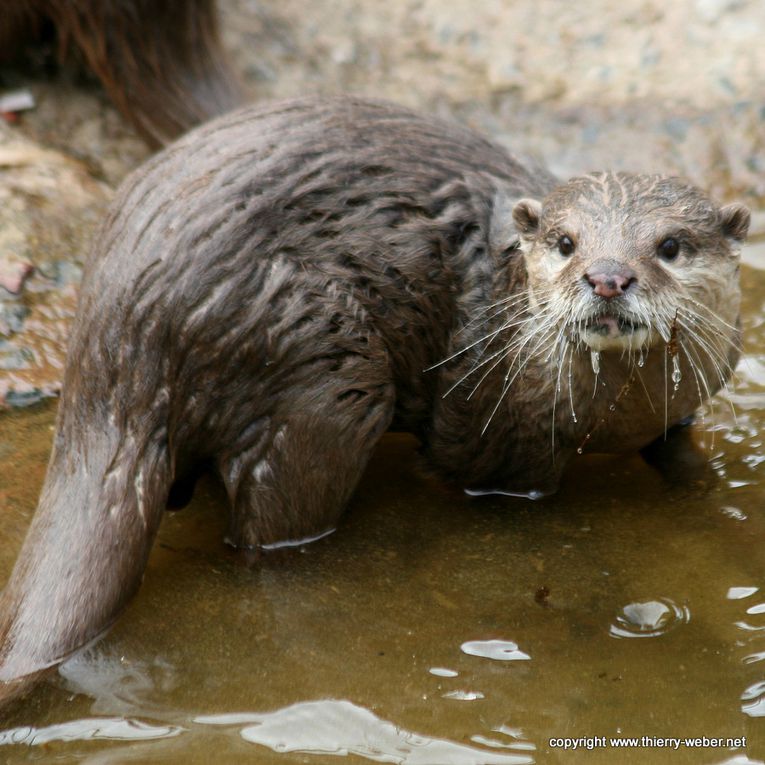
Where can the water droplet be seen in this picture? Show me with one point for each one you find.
(579, 450)
(612, 408)
(501, 650)
(573, 417)
(677, 375)
(641, 358)
(442, 672)
(650, 618)
(595, 361)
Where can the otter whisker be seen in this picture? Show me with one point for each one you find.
(556, 343)
(565, 348)
(487, 319)
(503, 393)
(696, 371)
(710, 325)
(571, 385)
(723, 385)
(723, 381)
(543, 333)
(713, 335)
(701, 382)
(502, 353)
(490, 336)
(542, 336)
(510, 380)
(645, 389)
(719, 362)
(730, 327)
(507, 304)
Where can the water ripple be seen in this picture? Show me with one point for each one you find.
(649, 618)
(755, 695)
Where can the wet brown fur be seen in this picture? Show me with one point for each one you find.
(266, 296)
(160, 61)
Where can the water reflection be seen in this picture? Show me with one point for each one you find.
(755, 695)
(499, 650)
(342, 728)
(443, 672)
(738, 593)
(463, 695)
(117, 683)
(100, 728)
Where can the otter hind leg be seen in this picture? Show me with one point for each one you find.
(296, 485)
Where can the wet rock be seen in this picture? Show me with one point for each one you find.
(49, 206)
(639, 85)
(712, 10)
(13, 273)
(695, 52)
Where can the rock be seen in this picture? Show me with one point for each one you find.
(49, 206)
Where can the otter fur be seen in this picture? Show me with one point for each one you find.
(275, 290)
(160, 61)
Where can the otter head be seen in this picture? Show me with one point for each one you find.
(616, 262)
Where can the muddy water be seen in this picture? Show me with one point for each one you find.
(431, 628)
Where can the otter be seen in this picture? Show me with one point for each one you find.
(274, 291)
(160, 61)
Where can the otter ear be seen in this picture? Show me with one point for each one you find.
(526, 215)
(735, 221)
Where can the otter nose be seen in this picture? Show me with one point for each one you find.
(609, 279)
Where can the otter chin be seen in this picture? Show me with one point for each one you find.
(271, 293)
(609, 332)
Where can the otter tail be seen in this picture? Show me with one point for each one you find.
(84, 555)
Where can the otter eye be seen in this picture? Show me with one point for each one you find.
(565, 246)
(669, 248)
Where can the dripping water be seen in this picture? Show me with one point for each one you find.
(677, 375)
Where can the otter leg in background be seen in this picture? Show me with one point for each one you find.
(296, 481)
(160, 61)
(677, 456)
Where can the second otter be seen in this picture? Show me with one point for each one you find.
(268, 292)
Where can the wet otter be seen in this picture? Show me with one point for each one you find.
(160, 61)
(267, 293)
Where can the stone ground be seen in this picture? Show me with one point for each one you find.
(641, 85)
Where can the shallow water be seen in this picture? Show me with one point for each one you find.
(433, 628)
